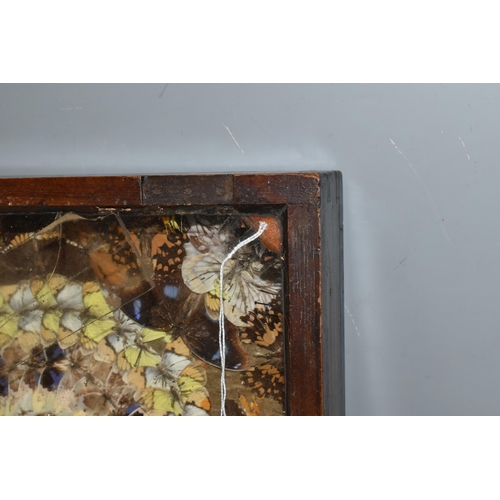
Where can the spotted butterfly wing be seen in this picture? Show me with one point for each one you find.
(167, 248)
(266, 380)
(264, 326)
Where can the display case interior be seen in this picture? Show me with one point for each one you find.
(112, 300)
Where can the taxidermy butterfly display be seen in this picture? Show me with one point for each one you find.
(118, 314)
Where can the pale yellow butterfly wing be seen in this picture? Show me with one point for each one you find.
(96, 330)
(8, 328)
(134, 356)
(50, 326)
(200, 272)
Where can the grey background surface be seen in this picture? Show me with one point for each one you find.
(421, 209)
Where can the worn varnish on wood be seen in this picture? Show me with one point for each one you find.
(310, 206)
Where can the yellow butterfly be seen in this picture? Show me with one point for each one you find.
(131, 345)
(174, 383)
(50, 326)
(160, 402)
(192, 379)
(99, 320)
(8, 328)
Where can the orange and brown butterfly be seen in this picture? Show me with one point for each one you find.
(119, 243)
(251, 407)
(264, 326)
(115, 258)
(266, 380)
(167, 247)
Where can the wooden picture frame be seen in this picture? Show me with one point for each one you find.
(311, 208)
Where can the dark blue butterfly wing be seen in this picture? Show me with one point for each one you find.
(4, 379)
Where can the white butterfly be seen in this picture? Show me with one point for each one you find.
(243, 286)
(167, 372)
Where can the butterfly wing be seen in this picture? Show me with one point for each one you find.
(266, 380)
(201, 272)
(167, 248)
(55, 367)
(4, 378)
(160, 402)
(8, 328)
(244, 291)
(264, 326)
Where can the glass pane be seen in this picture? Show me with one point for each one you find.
(118, 314)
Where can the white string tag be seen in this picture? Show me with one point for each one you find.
(222, 331)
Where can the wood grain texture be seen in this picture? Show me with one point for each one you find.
(332, 279)
(187, 190)
(305, 377)
(70, 191)
(293, 189)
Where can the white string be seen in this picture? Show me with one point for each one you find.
(222, 331)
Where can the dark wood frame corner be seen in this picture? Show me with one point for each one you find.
(312, 207)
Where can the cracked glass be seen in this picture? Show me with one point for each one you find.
(117, 313)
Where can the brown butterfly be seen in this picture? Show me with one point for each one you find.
(264, 326)
(266, 380)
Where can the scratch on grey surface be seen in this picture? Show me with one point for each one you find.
(400, 263)
(264, 130)
(71, 108)
(429, 196)
(197, 95)
(232, 137)
(352, 319)
(465, 149)
(362, 300)
(163, 91)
